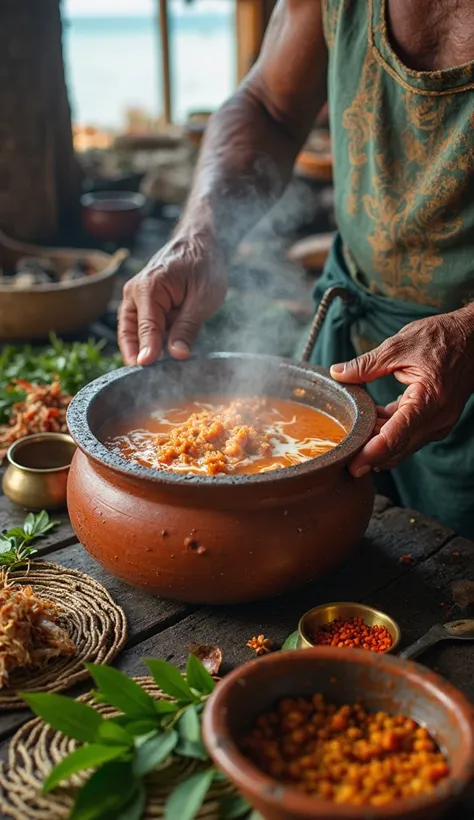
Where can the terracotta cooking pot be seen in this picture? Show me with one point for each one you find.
(380, 682)
(217, 539)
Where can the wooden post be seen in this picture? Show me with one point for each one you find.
(165, 60)
(252, 18)
(39, 176)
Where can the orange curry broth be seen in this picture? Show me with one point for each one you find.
(220, 434)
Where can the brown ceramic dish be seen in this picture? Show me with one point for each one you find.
(381, 682)
(220, 539)
(112, 215)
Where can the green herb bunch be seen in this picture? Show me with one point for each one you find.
(15, 544)
(123, 750)
(74, 363)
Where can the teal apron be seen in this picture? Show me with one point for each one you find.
(439, 479)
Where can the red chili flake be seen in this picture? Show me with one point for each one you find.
(406, 559)
(353, 633)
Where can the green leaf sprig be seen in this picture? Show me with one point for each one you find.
(74, 363)
(15, 544)
(124, 749)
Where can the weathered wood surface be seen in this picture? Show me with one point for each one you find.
(415, 590)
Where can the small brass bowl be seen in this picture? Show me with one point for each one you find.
(326, 613)
(38, 467)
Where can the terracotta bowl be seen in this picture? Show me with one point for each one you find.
(219, 539)
(112, 215)
(381, 682)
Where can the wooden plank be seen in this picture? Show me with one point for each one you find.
(424, 597)
(375, 565)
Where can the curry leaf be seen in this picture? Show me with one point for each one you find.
(122, 692)
(166, 707)
(198, 677)
(14, 543)
(135, 807)
(189, 726)
(186, 800)
(233, 807)
(189, 729)
(139, 728)
(29, 524)
(106, 793)
(291, 642)
(71, 717)
(170, 680)
(86, 757)
(153, 752)
(112, 733)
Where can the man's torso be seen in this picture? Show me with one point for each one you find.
(401, 85)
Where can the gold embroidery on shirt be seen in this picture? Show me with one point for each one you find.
(415, 178)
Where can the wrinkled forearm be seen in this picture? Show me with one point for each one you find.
(245, 163)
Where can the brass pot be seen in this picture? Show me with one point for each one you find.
(37, 472)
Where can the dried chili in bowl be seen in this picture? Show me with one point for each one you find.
(344, 753)
(353, 633)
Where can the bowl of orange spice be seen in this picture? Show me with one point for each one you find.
(348, 625)
(340, 734)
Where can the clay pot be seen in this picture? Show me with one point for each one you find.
(112, 215)
(219, 539)
(381, 682)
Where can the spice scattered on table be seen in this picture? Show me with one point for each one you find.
(345, 754)
(463, 593)
(210, 656)
(353, 633)
(22, 368)
(29, 633)
(260, 645)
(43, 410)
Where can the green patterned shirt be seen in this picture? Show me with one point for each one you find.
(403, 144)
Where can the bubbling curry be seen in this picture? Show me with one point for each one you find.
(216, 435)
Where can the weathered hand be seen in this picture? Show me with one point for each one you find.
(172, 297)
(434, 358)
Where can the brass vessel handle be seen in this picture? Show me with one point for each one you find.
(320, 316)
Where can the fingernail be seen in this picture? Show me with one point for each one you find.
(144, 353)
(338, 368)
(181, 347)
(362, 471)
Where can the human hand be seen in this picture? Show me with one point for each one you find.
(171, 298)
(434, 358)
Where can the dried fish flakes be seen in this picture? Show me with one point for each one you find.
(29, 633)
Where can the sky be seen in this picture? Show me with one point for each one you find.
(99, 8)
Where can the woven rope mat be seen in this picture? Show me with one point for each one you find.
(92, 619)
(36, 748)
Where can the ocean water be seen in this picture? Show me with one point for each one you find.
(113, 63)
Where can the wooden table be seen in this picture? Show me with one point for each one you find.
(415, 591)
